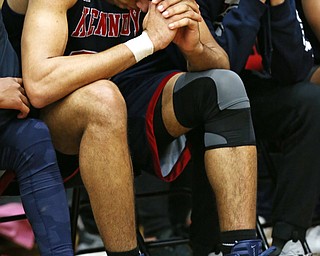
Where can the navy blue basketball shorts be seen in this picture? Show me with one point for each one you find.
(141, 94)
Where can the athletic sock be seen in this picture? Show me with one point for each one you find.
(134, 252)
(230, 238)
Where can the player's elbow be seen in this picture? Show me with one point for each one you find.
(36, 94)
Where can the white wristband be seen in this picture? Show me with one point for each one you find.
(140, 46)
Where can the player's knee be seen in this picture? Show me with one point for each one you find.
(33, 147)
(32, 131)
(217, 100)
(232, 125)
(102, 102)
(199, 96)
(231, 92)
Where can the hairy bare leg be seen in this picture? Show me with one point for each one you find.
(232, 174)
(231, 171)
(92, 121)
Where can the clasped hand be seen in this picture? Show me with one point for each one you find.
(173, 21)
(168, 21)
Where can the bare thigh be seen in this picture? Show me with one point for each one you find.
(171, 123)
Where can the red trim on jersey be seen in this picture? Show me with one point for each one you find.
(185, 155)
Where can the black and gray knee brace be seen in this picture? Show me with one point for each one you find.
(216, 99)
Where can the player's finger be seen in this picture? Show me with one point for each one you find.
(25, 100)
(189, 18)
(182, 10)
(22, 90)
(184, 22)
(164, 5)
(24, 111)
(18, 80)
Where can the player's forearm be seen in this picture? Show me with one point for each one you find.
(208, 58)
(205, 53)
(49, 80)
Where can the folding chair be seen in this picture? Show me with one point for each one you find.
(9, 186)
(143, 245)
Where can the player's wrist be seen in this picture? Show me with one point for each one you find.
(141, 46)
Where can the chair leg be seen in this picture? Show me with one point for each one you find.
(262, 235)
(74, 214)
(142, 245)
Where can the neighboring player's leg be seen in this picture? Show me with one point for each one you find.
(288, 115)
(26, 148)
(92, 121)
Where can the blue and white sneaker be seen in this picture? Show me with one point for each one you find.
(250, 248)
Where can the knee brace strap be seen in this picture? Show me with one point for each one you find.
(217, 100)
